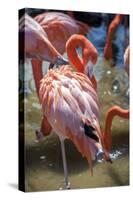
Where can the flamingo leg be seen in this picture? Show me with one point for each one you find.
(66, 182)
(38, 75)
(37, 72)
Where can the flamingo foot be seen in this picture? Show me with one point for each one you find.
(67, 186)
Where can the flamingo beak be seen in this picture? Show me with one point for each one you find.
(94, 141)
(89, 69)
(100, 155)
(61, 61)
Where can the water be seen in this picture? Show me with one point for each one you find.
(44, 170)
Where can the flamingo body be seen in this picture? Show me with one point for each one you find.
(36, 43)
(59, 27)
(70, 104)
(89, 57)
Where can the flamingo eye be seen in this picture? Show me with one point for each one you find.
(90, 132)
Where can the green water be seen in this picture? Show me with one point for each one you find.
(43, 166)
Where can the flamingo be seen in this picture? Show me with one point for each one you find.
(36, 45)
(70, 103)
(116, 110)
(108, 54)
(58, 27)
(84, 65)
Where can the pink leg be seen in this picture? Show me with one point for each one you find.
(38, 75)
(37, 72)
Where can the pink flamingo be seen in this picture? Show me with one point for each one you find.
(58, 27)
(47, 31)
(70, 103)
(84, 65)
(35, 44)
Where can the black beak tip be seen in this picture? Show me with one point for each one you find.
(99, 155)
(37, 134)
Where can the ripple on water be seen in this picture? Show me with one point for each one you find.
(115, 155)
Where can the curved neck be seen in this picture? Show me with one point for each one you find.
(112, 112)
(113, 26)
(108, 52)
(72, 44)
(89, 52)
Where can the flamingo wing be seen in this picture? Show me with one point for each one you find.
(71, 110)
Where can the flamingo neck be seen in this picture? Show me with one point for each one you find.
(113, 26)
(108, 52)
(73, 56)
(112, 112)
(89, 52)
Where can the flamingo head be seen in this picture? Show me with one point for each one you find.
(96, 142)
(90, 59)
(90, 143)
(45, 129)
(95, 146)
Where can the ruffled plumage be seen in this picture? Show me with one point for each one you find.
(69, 101)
